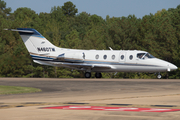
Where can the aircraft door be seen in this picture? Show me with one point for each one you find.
(122, 57)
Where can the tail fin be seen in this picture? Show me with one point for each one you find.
(34, 41)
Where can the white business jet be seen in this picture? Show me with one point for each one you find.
(45, 53)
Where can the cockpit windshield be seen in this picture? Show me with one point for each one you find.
(144, 56)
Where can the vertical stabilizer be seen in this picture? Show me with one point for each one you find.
(34, 41)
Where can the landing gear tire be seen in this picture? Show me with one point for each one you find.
(159, 76)
(87, 75)
(98, 75)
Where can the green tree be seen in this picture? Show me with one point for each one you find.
(97, 20)
(57, 13)
(69, 9)
(124, 32)
(5, 12)
(25, 17)
(94, 39)
(82, 24)
(73, 40)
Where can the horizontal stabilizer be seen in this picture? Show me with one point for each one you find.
(26, 31)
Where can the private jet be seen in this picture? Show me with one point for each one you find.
(45, 53)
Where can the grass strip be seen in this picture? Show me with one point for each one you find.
(6, 90)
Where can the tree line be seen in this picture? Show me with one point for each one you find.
(158, 34)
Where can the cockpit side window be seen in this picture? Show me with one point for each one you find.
(140, 55)
(144, 55)
(149, 56)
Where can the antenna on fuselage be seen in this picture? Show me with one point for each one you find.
(110, 48)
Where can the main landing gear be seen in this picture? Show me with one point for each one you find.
(98, 75)
(88, 75)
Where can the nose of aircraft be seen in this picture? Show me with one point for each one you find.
(171, 67)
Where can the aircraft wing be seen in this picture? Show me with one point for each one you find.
(79, 66)
(84, 66)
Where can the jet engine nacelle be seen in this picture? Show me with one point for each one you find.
(74, 57)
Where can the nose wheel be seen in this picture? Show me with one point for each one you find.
(159, 76)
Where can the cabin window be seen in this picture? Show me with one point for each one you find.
(113, 57)
(97, 56)
(122, 57)
(130, 57)
(105, 56)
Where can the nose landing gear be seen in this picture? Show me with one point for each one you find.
(159, 75)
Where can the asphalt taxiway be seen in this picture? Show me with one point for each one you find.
(151, 93)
